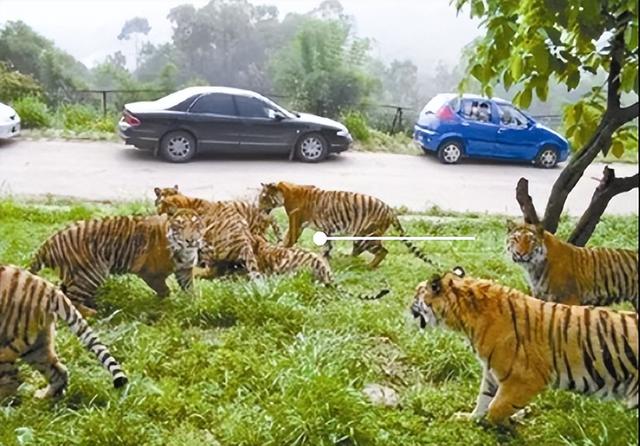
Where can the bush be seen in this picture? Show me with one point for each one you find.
(79, 117)
(15, 85)
(33, 112)
(357, 125)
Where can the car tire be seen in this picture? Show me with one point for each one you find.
(178, 147)
(311, 148)
(547, 158)
(450, 152)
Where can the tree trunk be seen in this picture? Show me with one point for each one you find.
(609, 187)
(525, 202)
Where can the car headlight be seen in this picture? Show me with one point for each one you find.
(344, 133)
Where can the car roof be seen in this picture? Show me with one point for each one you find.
(191, 91)
(475, 96)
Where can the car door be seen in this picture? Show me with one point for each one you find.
(516, 138)
(263, 130)
(215, 122)
(478, 128)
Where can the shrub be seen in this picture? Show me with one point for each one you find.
(357, 125)
(79, 117)
(33, 112)
(15, 85)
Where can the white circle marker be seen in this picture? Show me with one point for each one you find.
(319, 238)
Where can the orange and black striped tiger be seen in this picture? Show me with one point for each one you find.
(526, 345)
(259, 221)
(335, 212)
(561, 272)
(153, 247)
(29, 307)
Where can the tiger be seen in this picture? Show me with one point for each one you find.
(29, 307)
(152, 247)
(525, 344)
(561, 272)
(258, 220)
(275, 259)
(332, 212)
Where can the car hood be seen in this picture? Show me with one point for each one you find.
(6, 112)
(551, 131)
(319, 120)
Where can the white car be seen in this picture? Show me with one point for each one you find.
(9, 122)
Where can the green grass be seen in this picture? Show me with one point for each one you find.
(284, 362)
(383, 142)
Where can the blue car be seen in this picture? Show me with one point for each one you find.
(456, 126)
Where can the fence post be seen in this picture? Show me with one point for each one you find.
(104, 103)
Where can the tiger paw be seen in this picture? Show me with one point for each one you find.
(466, 416)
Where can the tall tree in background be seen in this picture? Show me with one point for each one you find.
(135, 27)
(528, 44)
(322, 69)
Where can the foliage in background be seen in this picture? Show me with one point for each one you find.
(284, 362)
(33, 112)
(14, 85)
(357, 125)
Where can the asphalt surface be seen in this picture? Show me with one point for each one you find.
(113, 171)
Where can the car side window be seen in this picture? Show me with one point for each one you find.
(214, 103)
(511, 116)
(476, 110)
(251, 107)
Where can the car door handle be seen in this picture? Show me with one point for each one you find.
(502, 130)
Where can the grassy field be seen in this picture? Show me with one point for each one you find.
(284, 362)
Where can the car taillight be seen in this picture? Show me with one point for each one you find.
(445, 113)
(130, 119)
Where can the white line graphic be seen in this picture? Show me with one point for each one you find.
(320, 238)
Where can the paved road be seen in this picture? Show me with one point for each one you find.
(111, 171)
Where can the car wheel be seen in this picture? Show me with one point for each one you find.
(311, 148)
(450, 152)
(178, 147)
(547, 158)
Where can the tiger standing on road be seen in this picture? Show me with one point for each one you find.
(29, 307)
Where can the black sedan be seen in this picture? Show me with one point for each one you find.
(227, 120)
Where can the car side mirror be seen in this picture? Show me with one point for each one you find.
(275, 115)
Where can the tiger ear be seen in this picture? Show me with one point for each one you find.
(539, 229)
(157, 191)
(175, 186)
(459, 271)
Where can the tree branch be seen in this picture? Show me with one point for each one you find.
(525, 202)
(609, 187)
(627, 114)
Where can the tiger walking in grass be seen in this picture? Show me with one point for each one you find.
(561, 272)
(153, 248)
(29, 307)
(335, 212)
(526, 345)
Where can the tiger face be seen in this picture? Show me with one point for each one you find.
(525, 243)
(270, 197)
(186, 230)
(164, 192)
(431, 303)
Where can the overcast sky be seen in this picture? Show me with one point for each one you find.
(423, 30)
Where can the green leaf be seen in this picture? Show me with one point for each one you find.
(628, 77)
(488, 91)
(573, 79)
(525, 98)
(478, 72)
(617, 148)
(631, 37)
(507, 80)
(516, 67)
(541, 58)
(542, 90)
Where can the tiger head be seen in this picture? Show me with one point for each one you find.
(170, 204)
(270, 197)
(433, 297)
(186, 231)
(525, 243)
(162, 192)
